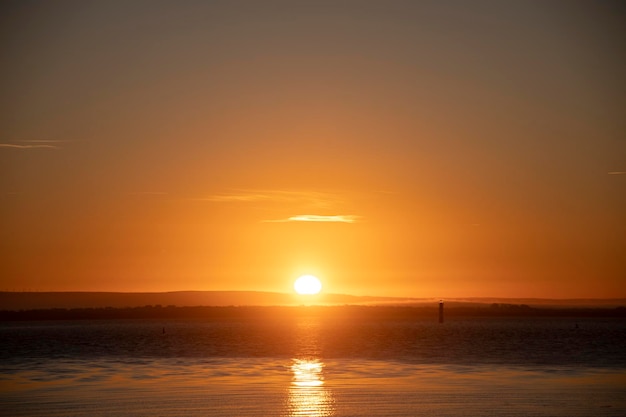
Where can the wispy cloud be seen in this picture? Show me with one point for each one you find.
(312, 198)
(297, 201)
(617, 173)
(44, 141)
(34, 146)
(317, 218)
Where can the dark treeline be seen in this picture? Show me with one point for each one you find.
(347, 311)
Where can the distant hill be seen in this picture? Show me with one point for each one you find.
(16, 301)
(543, 302)
(45, 300)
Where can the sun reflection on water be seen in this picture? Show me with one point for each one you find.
(307, 394)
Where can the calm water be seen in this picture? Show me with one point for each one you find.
(312, 366)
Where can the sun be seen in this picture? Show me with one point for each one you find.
(307, 285)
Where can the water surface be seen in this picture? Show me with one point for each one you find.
(312, 366)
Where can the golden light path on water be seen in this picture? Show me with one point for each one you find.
(307, 394)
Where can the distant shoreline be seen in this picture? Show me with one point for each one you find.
(285, 312)
(16, 301)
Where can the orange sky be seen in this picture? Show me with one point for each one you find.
(443, 149)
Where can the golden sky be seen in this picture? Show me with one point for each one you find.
(397, 148)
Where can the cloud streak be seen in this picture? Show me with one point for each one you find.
(39, 146)
(317, 218)
(35, 144)
(315, 199)
(297, 201)
(617, 173)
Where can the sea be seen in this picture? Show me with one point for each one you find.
(314, 366)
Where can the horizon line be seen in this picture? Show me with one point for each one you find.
(452, 298)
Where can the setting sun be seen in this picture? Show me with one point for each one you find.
(307, 284)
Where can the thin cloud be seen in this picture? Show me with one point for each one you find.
(35, 144)
(15, 146)
(617, 173)
(316, 199)
(44, 141)
(237, 198)
(317, 218)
